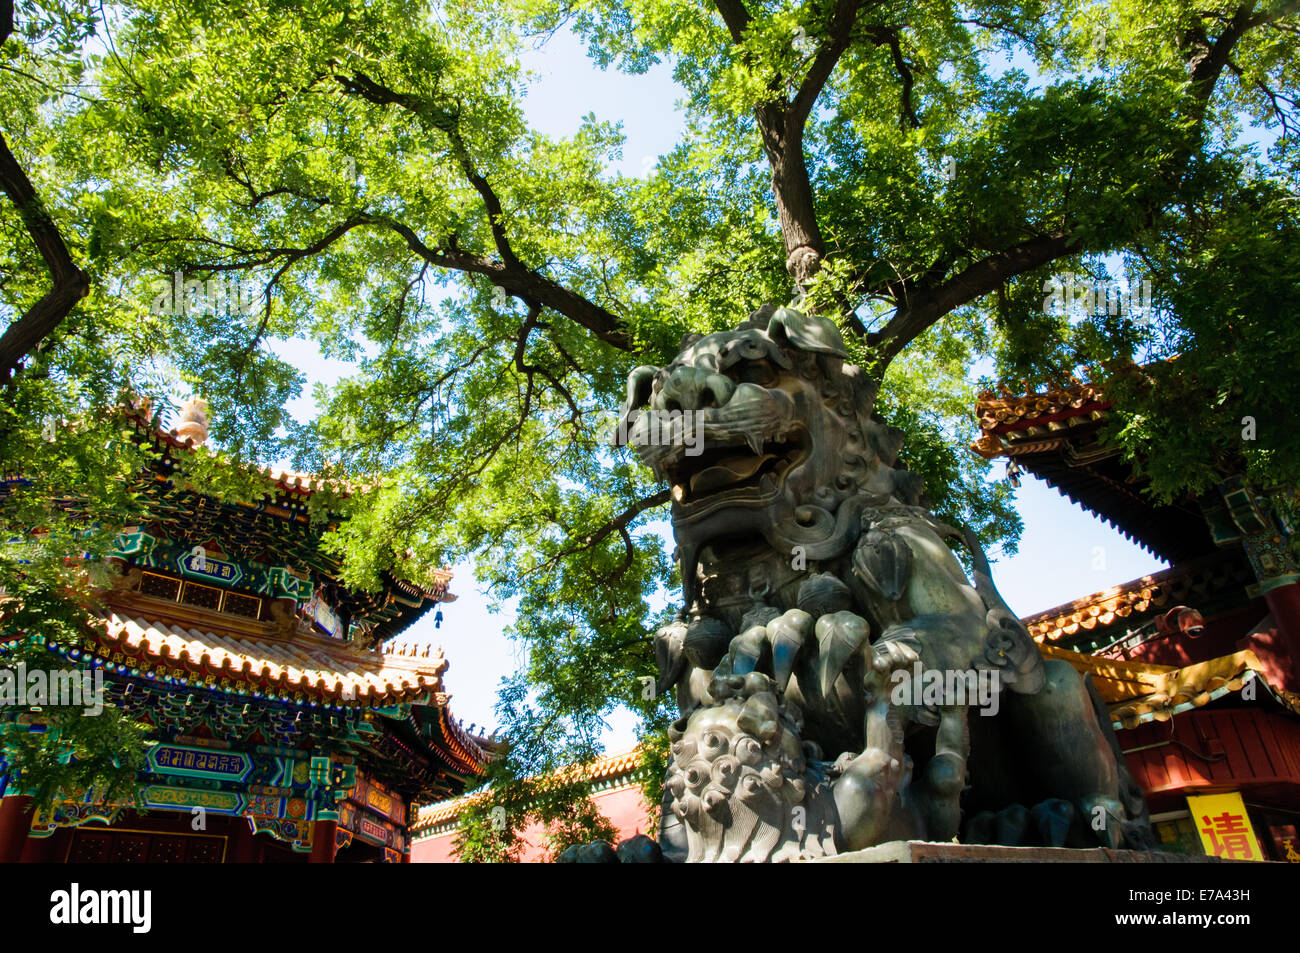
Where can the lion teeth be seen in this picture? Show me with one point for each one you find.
(679, 492)
(755, 443)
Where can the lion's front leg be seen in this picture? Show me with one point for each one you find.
(872, 785)
(939, 792)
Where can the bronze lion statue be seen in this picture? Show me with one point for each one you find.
(842, 682)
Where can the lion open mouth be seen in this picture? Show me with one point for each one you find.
(729, 468)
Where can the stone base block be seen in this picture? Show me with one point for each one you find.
(928, 852)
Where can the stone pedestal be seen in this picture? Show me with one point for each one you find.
(926, 852)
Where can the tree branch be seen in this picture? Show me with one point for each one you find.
(889, 36)
(923, 302)
(523, 283)
(521, 345)
(508, 272)
(70, 283)
(735, 16)
(840, 33)
(618, 524)
(1032, 42)
(1278, 111)
(1209, 57)
(921, 306)
(781, 126)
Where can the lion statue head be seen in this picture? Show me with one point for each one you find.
(769, 444)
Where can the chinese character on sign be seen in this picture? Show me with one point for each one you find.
(1225, 827)
(1228, 834)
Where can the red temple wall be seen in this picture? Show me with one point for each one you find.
(1203, 752)
(623, 807)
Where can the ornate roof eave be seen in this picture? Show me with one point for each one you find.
(1096, 612)
(1139, 692)
(288, 492)
(308, 671)
(280, 480)
(1013, 424)
(473, 758)
(434, 590)
(1056, 435)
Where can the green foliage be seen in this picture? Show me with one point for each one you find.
(486, 835)
(1218, 401)
(929, 393)
(574, 820)
(494, 819)
(365, 171)
(69, 466)
(72, 749)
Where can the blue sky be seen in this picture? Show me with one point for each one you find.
(1065, 552)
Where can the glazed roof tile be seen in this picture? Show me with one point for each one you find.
(291, 488)
(1168, 587)
(1056, 435)
(139, 414)
(1009, 422)
(472, 755)
(338, 674)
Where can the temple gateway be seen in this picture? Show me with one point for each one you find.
(287, 721)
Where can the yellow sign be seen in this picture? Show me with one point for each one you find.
(379, 801)
(1225, 827)
(223, 801)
